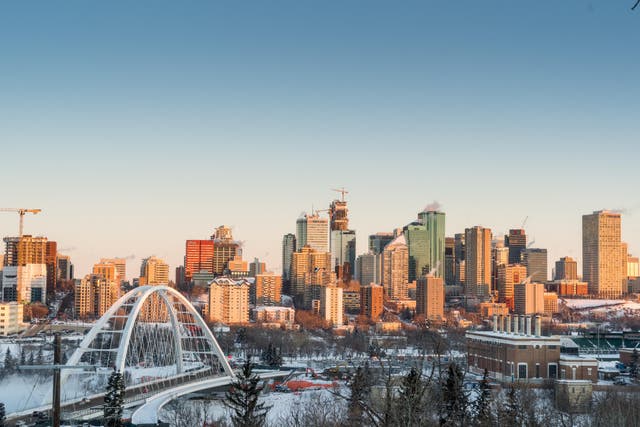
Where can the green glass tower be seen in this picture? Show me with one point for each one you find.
(434, 222)
(418, 245)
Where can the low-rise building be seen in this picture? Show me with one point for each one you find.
(550, 303)
(488, 309)
(274, 315)
(11, 318)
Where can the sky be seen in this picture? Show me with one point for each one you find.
(137, 125)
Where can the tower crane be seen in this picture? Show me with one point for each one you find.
(342, 191)
(21, 212)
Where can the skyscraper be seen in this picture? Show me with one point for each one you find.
(225, 249)
(309, 267)
(343, 252)
(460, 253)
(268, 288)
(288, 248)
(313, 231)
(499, 256)
(508, 276)
(369, 269)
(430, 297)
(120, 265)
(417, 240)
(51, 254)
(65, 268)
(528, 298)
(516, 241)
(395, 268)
(228, 301)
(478, 260)
(338, 213)
(449, 261)
(331, 305)
(434, 221)
(198, 257)
(372, 301)
(566, 269)
(94, 295)
(536, 261)
(154, 271)
(601, 252)
(378, 241)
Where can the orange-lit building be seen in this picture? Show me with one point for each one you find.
(372, 301)
(198, 257)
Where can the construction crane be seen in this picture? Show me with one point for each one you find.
(342, 191)
(21, 212)
(524, 222)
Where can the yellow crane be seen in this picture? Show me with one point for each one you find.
(21, 212)
(342, 191)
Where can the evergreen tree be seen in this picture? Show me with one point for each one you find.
(410, 405)
(271, 356)
(9, 361)
(510, 409)
(454, 398)
(39, 356)
(114, 400)
(23, 356)
(633, 366)
(30, 360)
(360, 388)
(483, 402)
(242, 399)
(3, 415)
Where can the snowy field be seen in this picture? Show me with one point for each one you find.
(614, 308)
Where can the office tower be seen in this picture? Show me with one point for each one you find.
(225, 249)
(435, 223)
(268, 288)
(106, 270)
(601, 252)
(312, 231)
(228, 301)
(180, 282)
(121, 268)
(508, 276)
(25, 283)
(378, 241)
(430, 297)
(65, 268)
(94, 295)
(566, 269)
(550, 303)
(633, 267)
(343, 252)
(338, 213)
(257, 267)
(331, 305)
(449, 261)
(624, 255)
(499, 256)
(50, 260)
(369, 269)
(460, 253)
(237, 267)
(516, 241)
(478, 259)
(25, 250)
(154, 271)
(395, 268)
(529, 298)
(288, 248)
(309, 267)
(198, 257)
(372, 301)
(417, 240)
(536, 261)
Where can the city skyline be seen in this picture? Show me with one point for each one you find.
(127, 116)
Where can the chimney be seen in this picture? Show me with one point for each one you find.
(515, 324)
(522, 325)
(538, 326)
(508, 322)
(528, 320)
(503, 320)
(495, 323)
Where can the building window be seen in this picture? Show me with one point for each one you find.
(589, 371)
(522, 370)
(537, 370)
(553, 370)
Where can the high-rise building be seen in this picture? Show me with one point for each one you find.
(309, 267)
(256, 267)
(228, 301)
(529, 298)
(395, 268)
(180, 282)
(237, 267)
(121, 268)
(508, 276)
(435, 223)
(198, 257)
(225, 249)
(566, 269)
(633, 267)
(372, 301)
(535, 259)
(25, 283)
(417, 240)
(338, 213)
(499, 256)
(268, 288)
(430, 297)
(50, 260)
(154, 271)
(65, 268)
(313, 231)
(94, 295)
(288, 248)
(601, 252)
(478, 259)
(343, 252)
(378, 241)
(516, 241)
(449, 261)
(331, 305)
(369, 268)
(20, 251)
(460, 253)
(106, 270)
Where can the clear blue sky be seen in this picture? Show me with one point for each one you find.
(137, 125)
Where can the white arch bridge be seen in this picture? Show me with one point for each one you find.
(157, 339)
